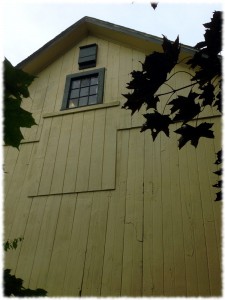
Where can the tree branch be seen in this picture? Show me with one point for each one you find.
(180, 72)
(174, 91)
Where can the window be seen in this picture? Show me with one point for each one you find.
(88, 56)
(83, 89)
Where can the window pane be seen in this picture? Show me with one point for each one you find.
(92, 99)
(73, 103)
(83, 101)
(75, 84)
(94, 80)
(84, 91)
(74, 94)
(93, 90)
(85, 82)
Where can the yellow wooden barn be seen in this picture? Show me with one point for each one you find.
(104, 210)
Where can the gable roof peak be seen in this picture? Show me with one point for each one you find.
(83, 27)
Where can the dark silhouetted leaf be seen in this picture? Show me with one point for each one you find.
(14, 118)
(218, 184)
(206, 58)
(219, 157)
(207, 94)
(218, 196)
(14, 287)
(152, 102)
(154, 5)
(193, 134)
(219, 172)
(11, 244)
(156, 123)
(133, 102)
(186, 107)
(218, 102)
(16, 83)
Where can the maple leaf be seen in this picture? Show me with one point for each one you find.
(156, 123)
(219, 172)
(219, 196)
(218, 102)
(219, 158)
(218, 184)
(133, 102)
(186, 107)
(154, 5)
(152, 102)
(213, 34)
(193, 134)
(207, 94)
(14, 118)
(139, 80)
(207, 55)
(16, 83)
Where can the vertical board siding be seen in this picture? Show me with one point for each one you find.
(111, 84)
(38, 158)
(92, 278)
(61, 156)
(167, 226)
(27, 104)
(176, 215)
(133, 234)
(214, 178)
(38, 102)
(187, 215)
(83, 167)
(148, 176)
(9, 165)
(72, 284)
(16, 197)
(73, 154)
(157, 251)
(208, 216)
(113, 258)
(31, 237)
(109, 154)
(45, 243)
(49, 160)
(104, 210)
(97, 148)
(198, 224)
(60, 252)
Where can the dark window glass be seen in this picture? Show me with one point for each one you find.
(75, 84)
(92, 99)
(93, 90)
(94, 80)
(84, 91)
(83, 101)
(74, 93)
(85, 82)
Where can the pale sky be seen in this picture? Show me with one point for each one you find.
(28, 25)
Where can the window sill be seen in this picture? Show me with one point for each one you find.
(81, 109)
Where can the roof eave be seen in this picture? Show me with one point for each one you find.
(72, 35)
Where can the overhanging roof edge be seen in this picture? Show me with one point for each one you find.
(110, 26)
